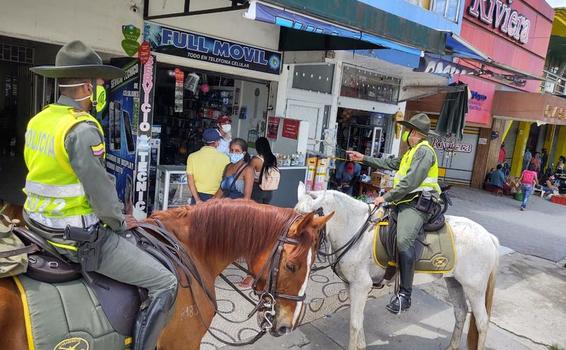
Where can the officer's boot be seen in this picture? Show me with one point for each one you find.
(152, 319)
(402, 301)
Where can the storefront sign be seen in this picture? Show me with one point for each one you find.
(452, 145)
(481, 102)
(143, 147)
(204, 48)
(429, 64)
(501, 15)
(144, 52)
(291, 128)
(273, 127)
(554, 112)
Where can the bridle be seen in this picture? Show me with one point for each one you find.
(344, 249)
(266, 297)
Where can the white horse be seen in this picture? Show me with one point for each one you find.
(472, 279)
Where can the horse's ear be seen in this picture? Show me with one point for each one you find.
(304, 222)
(301, 190)
(320, 221)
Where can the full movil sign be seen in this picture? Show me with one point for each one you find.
(501, 15)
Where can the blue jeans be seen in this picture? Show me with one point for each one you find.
(527, 191)
(203, 197)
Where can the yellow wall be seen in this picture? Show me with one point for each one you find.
(520, 146)
(560, 145)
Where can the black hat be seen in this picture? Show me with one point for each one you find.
(419, 122)
(76, 60)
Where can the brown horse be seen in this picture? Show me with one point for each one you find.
(215, 234)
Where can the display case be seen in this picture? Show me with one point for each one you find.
(172, 189)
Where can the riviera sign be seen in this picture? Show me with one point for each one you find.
(203, 48)
(501, 15)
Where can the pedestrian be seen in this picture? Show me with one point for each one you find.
(502, 154)
(497, 178)
(536, 162)
(415, 196)
(238, 178)
(265, 169)
(346, 175)
(560, 166)
(224, 125)
(67, 186)
(528, 180)
(527, 159)
(205, 167)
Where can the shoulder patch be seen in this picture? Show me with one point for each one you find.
(98, 150)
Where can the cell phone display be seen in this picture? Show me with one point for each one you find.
(129, 137)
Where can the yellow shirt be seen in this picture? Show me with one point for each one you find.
(207, 167)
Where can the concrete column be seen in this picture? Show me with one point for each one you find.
(561, 144)
(520, 146)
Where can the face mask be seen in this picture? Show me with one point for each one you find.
(405, 136)
(226, 128)
(100, 95)
(236, 157)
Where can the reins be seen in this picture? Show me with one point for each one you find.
(343, 250)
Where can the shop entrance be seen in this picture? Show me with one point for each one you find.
(187, 102)
(19, 90)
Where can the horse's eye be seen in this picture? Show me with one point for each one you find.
(291, 267)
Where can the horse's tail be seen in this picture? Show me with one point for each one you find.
(473, 334)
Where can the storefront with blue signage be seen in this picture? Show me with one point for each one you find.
(199, 79)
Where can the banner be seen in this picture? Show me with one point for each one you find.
(143, 145)
(204, 48)
(120, 128)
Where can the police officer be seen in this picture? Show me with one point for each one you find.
(417, 173)
(67, 185)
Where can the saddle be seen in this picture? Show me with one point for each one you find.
(120, 302)
(434, 245)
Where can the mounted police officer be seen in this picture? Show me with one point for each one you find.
(67, 185)
(415, 192)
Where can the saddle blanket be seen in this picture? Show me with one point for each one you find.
(438, 254)
(65, 316)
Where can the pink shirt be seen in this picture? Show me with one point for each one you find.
(528, 177)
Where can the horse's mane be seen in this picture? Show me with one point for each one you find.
(230, 228)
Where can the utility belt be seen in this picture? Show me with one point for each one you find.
(423, 201)
(89, 244)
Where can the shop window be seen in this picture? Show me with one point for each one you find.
(316, 78)
(16, 54)
(450, 9)
(368, 85)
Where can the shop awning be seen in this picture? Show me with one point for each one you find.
(301, 32)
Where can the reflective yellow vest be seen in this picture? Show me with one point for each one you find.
(428, 184)
(53, 190)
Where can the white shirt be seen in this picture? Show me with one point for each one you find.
(224, 146)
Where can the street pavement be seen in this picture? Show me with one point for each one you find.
(539, 231)
(530, 303)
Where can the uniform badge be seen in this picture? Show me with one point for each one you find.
(98, 150)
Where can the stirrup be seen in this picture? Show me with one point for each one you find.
(152, 320)
(399, 303)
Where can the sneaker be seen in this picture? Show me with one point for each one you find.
(522, 208)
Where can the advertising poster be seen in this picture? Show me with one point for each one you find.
(273, 127)
(291, 128)
(120, 128)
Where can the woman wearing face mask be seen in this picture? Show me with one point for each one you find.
(238, 178)
(225, 128)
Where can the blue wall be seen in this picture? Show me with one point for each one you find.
(419, 15)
